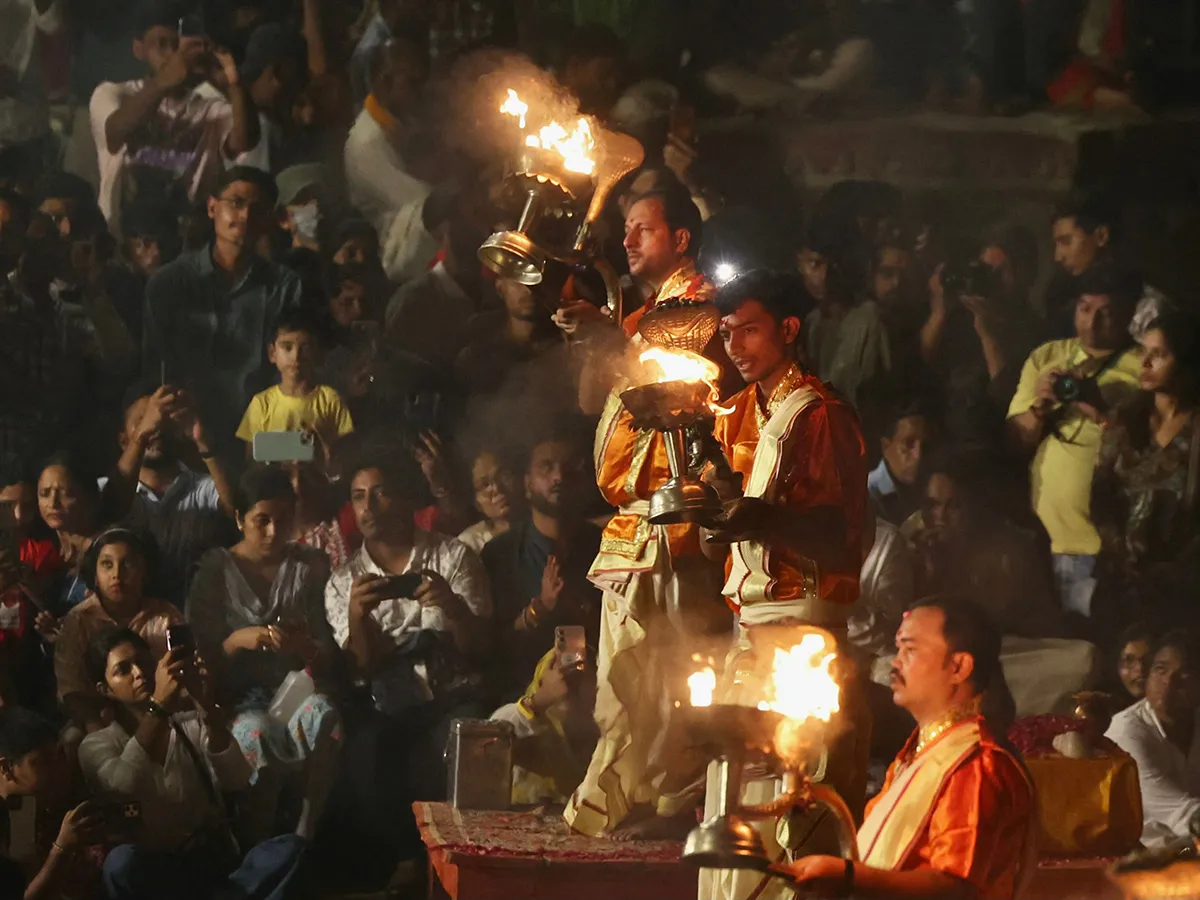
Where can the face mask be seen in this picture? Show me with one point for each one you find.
(306, 219)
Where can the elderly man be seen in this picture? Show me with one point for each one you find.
(956, 814)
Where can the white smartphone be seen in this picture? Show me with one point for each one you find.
(283, 446)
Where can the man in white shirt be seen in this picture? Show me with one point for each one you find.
(1159, 732)
(379, 180)
(160, 132)
(173, 768)
(24, 118)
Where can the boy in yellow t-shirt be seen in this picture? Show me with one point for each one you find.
(297, 403)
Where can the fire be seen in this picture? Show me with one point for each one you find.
(802, 684)
(575, 147)
(683, 365)
(516, 107)
(702, 685)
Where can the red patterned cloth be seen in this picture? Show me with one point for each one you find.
(534, 835)
(1033, 736)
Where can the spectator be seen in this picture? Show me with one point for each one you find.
(70, 829)
(70, 203)
(207, 313)
(555, 730)
(319, 523)
(1159, 733)
(24, 117)
(131, 121)
(37, 550)
(258, 614)
(273, 72)
(497, 498)
(155, 493)
(523, 332)
(1061, 427)
(150, 240)
(175, 768)
(538, 569)
(893, 483)
(1084, 231)
(380, 180)
(1133, 659)
(1140, 494)
(21, 672)
(119, 572)
(297, 403)
(592, 68)
(70, 505)
(301, 203)
(353, 295)
(886, 591)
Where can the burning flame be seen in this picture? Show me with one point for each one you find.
(802, 685)
(575, 147)
(683, 365)
(516, 107)
(702, 685)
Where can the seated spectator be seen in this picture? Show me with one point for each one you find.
(556, 732)
(298, 402)
(69, 202)
(130, 119)
(1140, 498)
(357, 242)
(69, 502)
(300, 205)
(523, 332)
(1062, 431)
(208, 312)
(258, 615)
(893, 484)
(886, 591)
(70, 829)
(119, 572)
(273, 71)
(380, 182)
(1133, 658)
(319, 523)
(175, 767)
(538, 568)
(1084, 230)
(497, 498)
(1079, 61)
(36, 546)
(961, 547)
(1159, 732)
(155, 493)
(150, 239)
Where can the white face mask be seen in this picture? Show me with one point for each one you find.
(306, 219)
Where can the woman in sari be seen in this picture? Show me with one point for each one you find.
(258, 613)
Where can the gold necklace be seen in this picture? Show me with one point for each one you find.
(791, 380)
(930, 732)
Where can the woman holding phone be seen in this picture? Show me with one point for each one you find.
(259, 616)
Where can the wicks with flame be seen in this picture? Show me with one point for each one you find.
(796, 700)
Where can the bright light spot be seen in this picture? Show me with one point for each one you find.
(702, 685)
(725, 273)
(516, 107)
(802, 684)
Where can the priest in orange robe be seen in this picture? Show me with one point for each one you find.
(792, 540)
(660, 591)
(956, 815)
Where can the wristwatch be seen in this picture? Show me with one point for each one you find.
(157, 709)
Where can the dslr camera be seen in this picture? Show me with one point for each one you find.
(1068, 388)
(969, 278)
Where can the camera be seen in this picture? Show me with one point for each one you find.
(973, 278)
(1067, 388)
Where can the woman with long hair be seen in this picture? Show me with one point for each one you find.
(259, 614)
(69, 503)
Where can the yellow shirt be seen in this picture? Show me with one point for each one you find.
(1061, 471)
(321, 411)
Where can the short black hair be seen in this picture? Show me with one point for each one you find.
(898, 410)
(1138, 631)
(15, 469)
(298, 319)
(260, 483)
(67, 186)
(967, 628)
(1090, 210)
(679, 210)
(782, 294)
(1123, 288)
(250, 175)
(95, 658)
(23, 731)
(1186, 641)
(393, 462)
(271, 44)
(139, 543)
(156, 13)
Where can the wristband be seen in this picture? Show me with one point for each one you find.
(55, 845)
(157, 709)
(533, 613)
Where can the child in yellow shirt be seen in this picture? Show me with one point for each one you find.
(297, 403)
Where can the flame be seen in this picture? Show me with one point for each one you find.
(702, 685)
(516, 107)
(802, 684)
(575, 147)
(684, 365)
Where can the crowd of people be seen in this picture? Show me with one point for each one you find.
(289, 481)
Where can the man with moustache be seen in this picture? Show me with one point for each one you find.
(186, 512)
(956, 814)
(538, 568)
(792, 538)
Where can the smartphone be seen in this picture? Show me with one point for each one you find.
(570, 642)
(402, 587)
(122, 819)
(180, 637)
(283, 446)
(191, 25)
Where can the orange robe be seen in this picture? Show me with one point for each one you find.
(980, 824)
(821, 463)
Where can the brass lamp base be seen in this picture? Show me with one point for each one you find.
(685, 499)
(725, 842)
(511, 254)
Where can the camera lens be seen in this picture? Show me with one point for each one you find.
(1066, 388)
